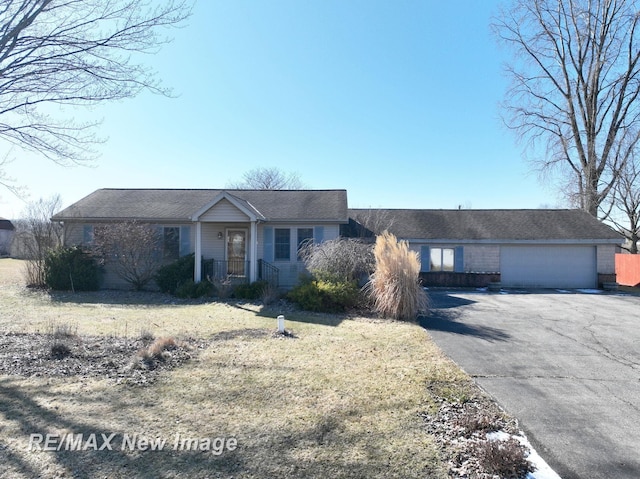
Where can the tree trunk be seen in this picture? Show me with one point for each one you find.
(591, 200)
(633, 249)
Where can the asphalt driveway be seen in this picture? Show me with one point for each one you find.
(567, 365)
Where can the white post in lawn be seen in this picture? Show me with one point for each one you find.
(197, 273)
(281, 324)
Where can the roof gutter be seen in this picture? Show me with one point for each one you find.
(516, 242)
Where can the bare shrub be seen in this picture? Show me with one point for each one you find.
(394, 288)
(269, 294)
(507, 459)
(60, 350)
(63, 330)
(477, 421)
(133, 250)
(223, 287)
(342, 259)
(146, 335)
(60, 335)
(36, 235)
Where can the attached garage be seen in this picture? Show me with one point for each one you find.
(534, 248)
(548, 266)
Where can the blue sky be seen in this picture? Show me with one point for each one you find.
(395, 101)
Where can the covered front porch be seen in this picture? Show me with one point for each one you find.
(226, 242)
(227, 251)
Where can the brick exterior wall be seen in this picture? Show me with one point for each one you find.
(459, 280)
(606, 259)
(482, 258)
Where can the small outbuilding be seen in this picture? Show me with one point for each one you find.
(6, 236)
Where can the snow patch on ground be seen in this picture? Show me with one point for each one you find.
(543, 471)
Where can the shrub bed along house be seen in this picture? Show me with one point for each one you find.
(71, 269)
(173, 275)
(250, 291)
(325, 296)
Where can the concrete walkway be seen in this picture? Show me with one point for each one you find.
(566, 365)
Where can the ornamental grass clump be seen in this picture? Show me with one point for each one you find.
(394, 288)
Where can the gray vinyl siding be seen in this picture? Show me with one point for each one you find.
(224, 211)
(214, 248)
(73, 233)
(290, 271)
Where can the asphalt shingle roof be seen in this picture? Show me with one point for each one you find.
(501, 224)
(5, 224)
(181, 204)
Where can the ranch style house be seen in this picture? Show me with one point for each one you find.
(256, 234)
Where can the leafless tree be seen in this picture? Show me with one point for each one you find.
(576, 81)
(132, 249)
(271, 178)
(624, 205)
(372, 222)
(74, 53)
(36, 235)
(7, 181)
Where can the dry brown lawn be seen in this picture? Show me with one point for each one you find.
(340, 399)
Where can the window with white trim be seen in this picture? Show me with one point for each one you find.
(282, 244)
(170, 242)
(442, 259)
(305, 236)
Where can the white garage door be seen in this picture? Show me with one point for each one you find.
(548, 266)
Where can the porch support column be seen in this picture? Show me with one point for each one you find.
(197, 273)
(253, 264)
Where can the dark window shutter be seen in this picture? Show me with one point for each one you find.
(425, 259)
(458, 260)
(318, 234)
(185, 240)
(267, 253)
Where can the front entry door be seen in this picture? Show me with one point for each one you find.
(236, 252)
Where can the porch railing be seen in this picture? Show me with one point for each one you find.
(237, 271)
(268, 272)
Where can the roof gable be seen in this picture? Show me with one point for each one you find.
(243, 206)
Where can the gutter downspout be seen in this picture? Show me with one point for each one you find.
(253, 269)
